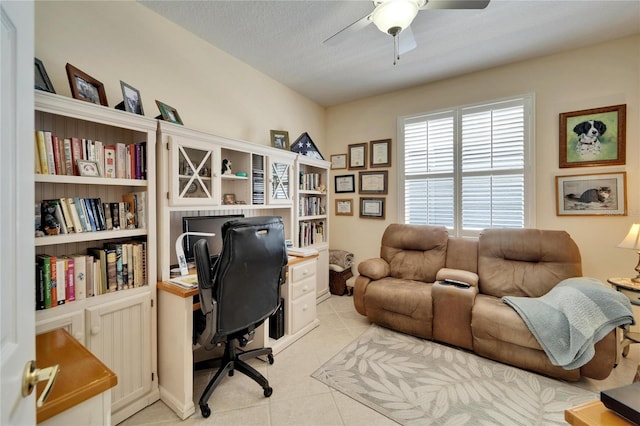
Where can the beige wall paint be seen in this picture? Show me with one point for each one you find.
(212, 91)
(597, 76)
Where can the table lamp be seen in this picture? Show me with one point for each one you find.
(632, 241)
(182, 261)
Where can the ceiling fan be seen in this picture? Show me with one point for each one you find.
(395, 16)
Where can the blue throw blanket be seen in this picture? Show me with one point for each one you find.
(571, 318)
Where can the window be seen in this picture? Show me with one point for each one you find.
(468, 168)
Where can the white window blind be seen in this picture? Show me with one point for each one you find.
(466, 168)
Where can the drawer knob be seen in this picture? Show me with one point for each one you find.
(305, 289)
(95, 330)
(305, 307)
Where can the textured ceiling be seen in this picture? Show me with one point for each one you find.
(284, 39)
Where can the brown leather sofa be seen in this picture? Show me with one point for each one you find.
(400, 291)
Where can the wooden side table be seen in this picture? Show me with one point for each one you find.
(630, 289)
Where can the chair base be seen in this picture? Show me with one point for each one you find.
(230, 362)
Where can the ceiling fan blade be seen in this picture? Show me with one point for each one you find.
(407, 41)
(344, 33)
(456, 4)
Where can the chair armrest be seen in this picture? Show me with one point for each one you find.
(459, 275)
(375, 269)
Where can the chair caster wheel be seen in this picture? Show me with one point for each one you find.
(268, 391)
(270, 359)
(205, 410)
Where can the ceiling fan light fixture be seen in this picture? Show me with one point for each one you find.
(393, 16)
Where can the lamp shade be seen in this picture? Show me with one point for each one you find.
(392, 16)
(632, 240)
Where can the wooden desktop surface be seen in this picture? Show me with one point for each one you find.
(594, 413)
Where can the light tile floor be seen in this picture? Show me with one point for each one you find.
(299, 399)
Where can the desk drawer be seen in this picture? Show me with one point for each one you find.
(302, 271)
(303, 287)
(634, 296)
(303, 311)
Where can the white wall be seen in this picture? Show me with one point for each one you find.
(597, 76)
(211, 90)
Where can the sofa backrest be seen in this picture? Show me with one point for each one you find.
(525, 262)
(414, 252)
(462, 253)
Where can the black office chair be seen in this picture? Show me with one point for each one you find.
(239, 292)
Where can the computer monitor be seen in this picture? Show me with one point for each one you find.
(204, 224)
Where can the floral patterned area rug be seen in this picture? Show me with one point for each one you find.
(419, 382)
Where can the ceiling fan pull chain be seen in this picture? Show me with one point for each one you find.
(396, 48)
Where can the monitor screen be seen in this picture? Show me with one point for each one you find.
(204, 224)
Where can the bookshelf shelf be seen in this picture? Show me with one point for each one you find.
(117, 326)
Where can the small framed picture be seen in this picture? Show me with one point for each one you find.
(339, 161)
(344, 206)
(373, 182)
(601, 194)
(357, 156)
(88, 168)
(169, 113)
(229, 199)
(85, 87)
(132, 100)
(372, 208)
(42, 81)
(593, 137)
(280, 139)
(345, 183)
(380, 152)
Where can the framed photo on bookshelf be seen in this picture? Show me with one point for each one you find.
(88, 168)
(344, 206)
(85, 87)
(132, 100)
(42, 81)
(380, 152)
(169, 113)
(372, 208)
(280, 139)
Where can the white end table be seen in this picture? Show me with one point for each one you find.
(630, 289)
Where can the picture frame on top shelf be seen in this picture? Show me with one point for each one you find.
(357, 156)
(85, 87)
(593, 137)
(280, 139)
(380, 153)
(88, 168)
(41, 77)
(132, 101)
(372, 208)
(602, 194)
(169, 113)
(345, 183)
(338, 161)
(344, 206)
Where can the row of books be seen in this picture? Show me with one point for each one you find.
(311, 206)
(64, 279)
(311, 232)
(309, 181)
(69, 215)
(59, 156)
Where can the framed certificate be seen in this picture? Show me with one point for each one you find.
(344, 207)
(380, 153)
(358, 156)
(372, 208)
(345, 183)
(373, 182)
(339, 161)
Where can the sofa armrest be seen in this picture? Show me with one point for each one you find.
(459, 275)
(452, 308)
(375, 269)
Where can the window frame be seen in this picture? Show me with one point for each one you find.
(528, 102)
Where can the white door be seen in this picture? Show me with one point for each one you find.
(17, 276)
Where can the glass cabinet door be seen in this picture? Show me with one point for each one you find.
(280, 185)
(192, 174)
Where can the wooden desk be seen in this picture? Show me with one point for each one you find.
(175, 333)
(81, 390)
(594, 413)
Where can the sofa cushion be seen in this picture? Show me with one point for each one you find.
(525, 262)
(414, 252)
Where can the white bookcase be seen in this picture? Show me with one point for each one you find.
(118, 327)
(312, 215)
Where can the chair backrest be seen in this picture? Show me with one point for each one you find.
(242, 289)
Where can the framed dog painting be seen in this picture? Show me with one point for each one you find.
(593, 137)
